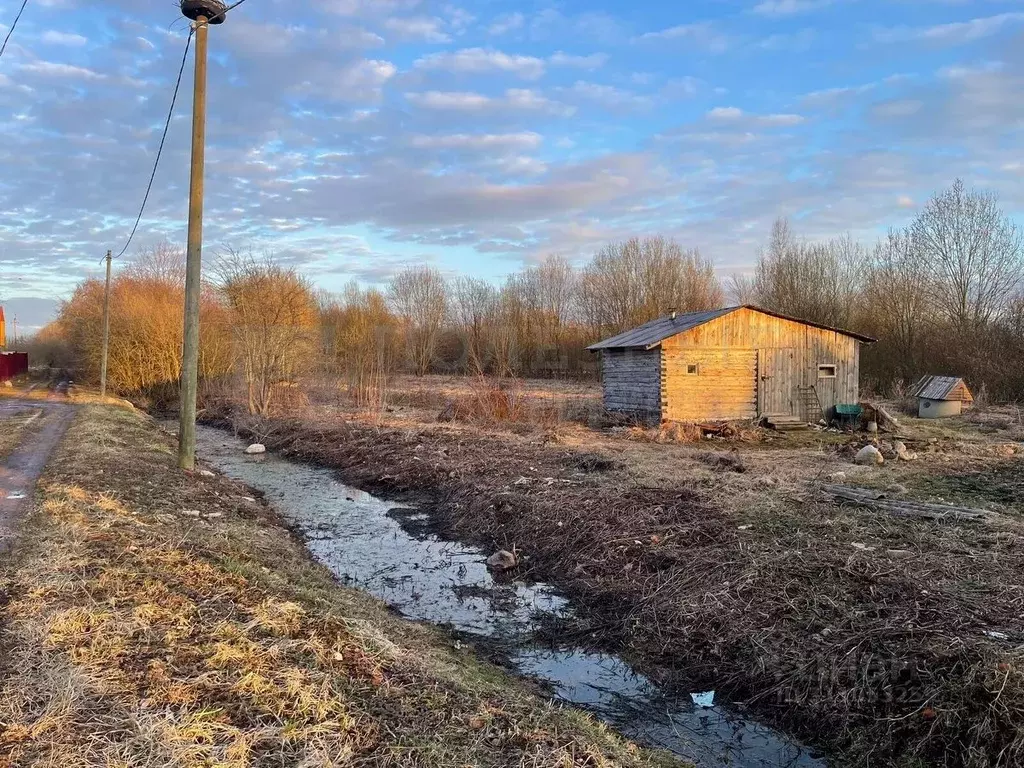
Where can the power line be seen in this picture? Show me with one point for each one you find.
(163, 138)
(21, 10)
(218, 15)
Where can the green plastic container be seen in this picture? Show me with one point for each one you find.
(848, 414)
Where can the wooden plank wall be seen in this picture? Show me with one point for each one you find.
(723, 388)
(632, 380)
(749, 330)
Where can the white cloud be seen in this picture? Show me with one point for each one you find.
(425, 29)
(63, 38)
(784, 119)
(607, 96)
(735, 114)
(56, 70)
(897, 108)
(789, 7)
(725, 113)
(507, 23)
(905, 201)
(591, 62)
(479, 141)
(955, 33)
(482, 60)
(450, 100)
(516, 99)
(702, 34)
(836, 96)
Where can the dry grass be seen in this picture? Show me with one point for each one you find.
(891, 642)
(158, 619)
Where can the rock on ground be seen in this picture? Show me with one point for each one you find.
(502, 560)
(256, 448)
(869, 455)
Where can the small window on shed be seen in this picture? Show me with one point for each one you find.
(692, 369)
(826, 371)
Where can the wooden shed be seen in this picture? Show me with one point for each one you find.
(940, 396)
(730, 364)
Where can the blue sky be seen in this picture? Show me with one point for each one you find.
(354, 137)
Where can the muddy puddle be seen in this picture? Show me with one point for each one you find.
(390, 552)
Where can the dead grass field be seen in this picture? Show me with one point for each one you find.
(720, 564)
(155, 619)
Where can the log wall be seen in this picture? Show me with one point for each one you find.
(632, 380)
(723, 387)
(728, 344)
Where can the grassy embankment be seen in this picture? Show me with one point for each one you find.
(152, 618)
(888, 640)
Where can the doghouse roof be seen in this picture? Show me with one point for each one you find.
(942, 388)
(656, 331)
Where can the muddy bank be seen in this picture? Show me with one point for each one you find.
(897, 649)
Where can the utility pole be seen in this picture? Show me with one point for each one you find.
(106, 332)
(202, 13)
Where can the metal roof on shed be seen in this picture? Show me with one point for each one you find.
(659, 329)
(939, 387)
(656, 331)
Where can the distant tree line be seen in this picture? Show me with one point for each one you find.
(943, 295)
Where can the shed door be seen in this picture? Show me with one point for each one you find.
(776, 382)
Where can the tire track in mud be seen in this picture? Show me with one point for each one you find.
(23, 466)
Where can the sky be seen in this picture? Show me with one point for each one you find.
(352, 138)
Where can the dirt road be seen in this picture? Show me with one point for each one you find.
(20, 470)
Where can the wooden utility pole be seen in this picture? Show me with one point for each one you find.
(203, 13)
(106, 332)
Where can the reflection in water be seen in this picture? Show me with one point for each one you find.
(391, 554)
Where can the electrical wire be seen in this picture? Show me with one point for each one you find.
(218, 15)
(163, 138)
(22, 9)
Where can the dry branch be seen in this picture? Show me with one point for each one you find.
(872, 499)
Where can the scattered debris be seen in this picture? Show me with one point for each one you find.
(450, 412)
(902, 454)
(705, 700)
(721, 429)
(592, 462)
(207, 473)
(726, 462)
(877, 500)
(884, 421)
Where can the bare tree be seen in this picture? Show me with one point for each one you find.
(975, 253)
(632, 282)
(742, 288)
(474, 303)
(420, 297)
(896, 303)
(815, 281)
(273, 319)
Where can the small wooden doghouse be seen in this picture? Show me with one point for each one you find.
(941, 396)
(730, 364)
